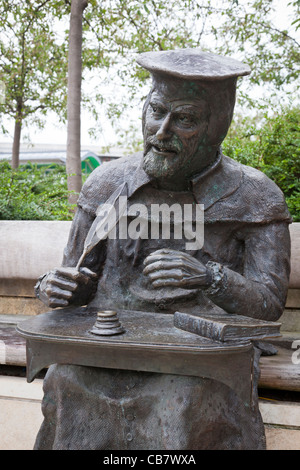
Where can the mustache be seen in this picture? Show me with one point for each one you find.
(170, 145)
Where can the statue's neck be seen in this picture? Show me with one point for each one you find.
(182, 180)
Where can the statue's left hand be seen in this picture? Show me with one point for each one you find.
(166, 268)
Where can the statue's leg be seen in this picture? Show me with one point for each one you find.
(104, 409)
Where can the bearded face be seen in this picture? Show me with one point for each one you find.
(176, 128)
(174, 132)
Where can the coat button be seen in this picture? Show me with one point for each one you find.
(130, 417)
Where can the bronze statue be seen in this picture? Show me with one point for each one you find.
(241, 268)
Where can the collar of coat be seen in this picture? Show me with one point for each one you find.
(228, 190)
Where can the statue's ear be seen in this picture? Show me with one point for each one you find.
(222, 96)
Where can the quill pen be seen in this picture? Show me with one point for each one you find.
(107, 217)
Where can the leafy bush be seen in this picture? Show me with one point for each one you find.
(273, 148)
(33, 193)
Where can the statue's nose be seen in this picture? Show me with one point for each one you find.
(164, 131)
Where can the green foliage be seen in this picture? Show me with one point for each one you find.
(33, 60)
(116, 31)
(273, 148)
(33, 193)
(271, 51)
(34, 51)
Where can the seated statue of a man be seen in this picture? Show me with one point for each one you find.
(242, 267)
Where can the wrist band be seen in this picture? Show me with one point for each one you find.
(217, 275)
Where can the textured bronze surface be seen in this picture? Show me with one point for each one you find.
(151, 342)
(107, 324)
(241, 268)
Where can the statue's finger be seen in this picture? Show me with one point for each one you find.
(66, 272)
(63, 283)
(170, 282)
(160, 264)
(56, 292)
(166, 274)
(175, 257)
(55, 302)
(89, 273)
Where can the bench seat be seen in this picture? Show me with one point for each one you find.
(279, 372)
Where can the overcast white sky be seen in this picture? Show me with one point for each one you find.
(56, 133)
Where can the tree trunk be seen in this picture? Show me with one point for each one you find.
(73, 164)
(16, 144)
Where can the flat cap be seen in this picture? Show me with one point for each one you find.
(192, 64)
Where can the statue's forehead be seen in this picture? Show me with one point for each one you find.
(178, 102)
(172, 89)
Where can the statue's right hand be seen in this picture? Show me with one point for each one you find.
(62, 287)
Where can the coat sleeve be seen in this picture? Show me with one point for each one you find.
(79, 229)
(261, 290)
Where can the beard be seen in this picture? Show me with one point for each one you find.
(158, 166)
(162, 159)
(167, 159)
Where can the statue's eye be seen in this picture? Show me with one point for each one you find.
(185, 120)
(157, 110)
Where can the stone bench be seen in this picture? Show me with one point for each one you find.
(28, 249)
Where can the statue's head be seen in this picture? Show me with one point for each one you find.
(188, 111)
